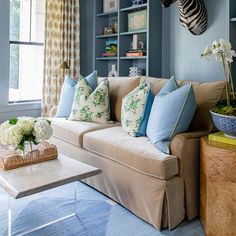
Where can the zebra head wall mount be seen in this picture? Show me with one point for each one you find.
(193, 14)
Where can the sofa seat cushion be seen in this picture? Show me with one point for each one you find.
(73, 131)
(137, 153)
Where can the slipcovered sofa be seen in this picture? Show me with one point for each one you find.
(159, 188)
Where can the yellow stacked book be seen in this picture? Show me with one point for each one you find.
(220, 137)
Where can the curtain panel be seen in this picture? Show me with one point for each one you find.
(61, 44)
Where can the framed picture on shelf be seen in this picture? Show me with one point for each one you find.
(108, 30)
(110, 5)
(137, 21)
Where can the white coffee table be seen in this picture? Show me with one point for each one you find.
(28, 180)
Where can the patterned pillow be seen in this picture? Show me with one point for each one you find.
(135, 110)
(68, 92)
(89, 105)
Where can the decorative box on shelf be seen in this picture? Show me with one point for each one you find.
(11, 160)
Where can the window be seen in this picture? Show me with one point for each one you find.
(26, 50)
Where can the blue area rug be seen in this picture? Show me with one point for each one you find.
(97, 215)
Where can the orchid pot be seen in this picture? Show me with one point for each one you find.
(224, 112)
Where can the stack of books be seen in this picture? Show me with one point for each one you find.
(136, 53)
(220, 137)
(111, 49)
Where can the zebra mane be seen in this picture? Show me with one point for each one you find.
(193, 14)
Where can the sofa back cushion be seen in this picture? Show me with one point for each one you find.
(206, 94)
(119, 88)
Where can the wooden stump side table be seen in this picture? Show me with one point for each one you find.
(218, 188)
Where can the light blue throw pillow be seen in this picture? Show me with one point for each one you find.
(68, 92)
(92, 80)
(172, 112)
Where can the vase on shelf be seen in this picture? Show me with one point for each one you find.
(113, 72)
(135, 71)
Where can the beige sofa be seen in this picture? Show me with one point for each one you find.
(161, 189)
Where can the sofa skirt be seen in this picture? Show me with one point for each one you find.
(158, 202)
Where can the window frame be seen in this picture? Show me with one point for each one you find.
(28, 43)
(7, 110)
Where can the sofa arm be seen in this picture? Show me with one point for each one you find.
(186, 146)
(53, 111)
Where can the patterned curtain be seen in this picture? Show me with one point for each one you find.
(61, 44)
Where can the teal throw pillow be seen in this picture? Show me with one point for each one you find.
(68, 92)
(135, 110)
(172, 111)
(89, 105)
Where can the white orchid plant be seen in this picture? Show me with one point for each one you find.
(17, 131)
(223, 53)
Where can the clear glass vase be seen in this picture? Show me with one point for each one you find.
(7, 150)
(29, 147)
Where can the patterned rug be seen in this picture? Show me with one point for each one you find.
(97, 215)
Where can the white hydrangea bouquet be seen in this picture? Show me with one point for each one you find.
(19, 131)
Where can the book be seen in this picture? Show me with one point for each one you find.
(106, 54)
(111, 49)
(111, 46)
(138, 50)
(220, 137)
(135, 54)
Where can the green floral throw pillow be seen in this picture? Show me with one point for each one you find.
(135, 110)
(89, 105)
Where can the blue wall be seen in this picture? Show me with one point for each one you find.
(86, 36)
(181, 50)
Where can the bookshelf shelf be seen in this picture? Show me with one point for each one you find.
(233, 19)
(105, 14)
(134, 58)
(148, 39)
(105, 58)
(134, 32)
(106, 36)
(134, 8)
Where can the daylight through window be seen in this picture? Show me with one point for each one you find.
(26, 49)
